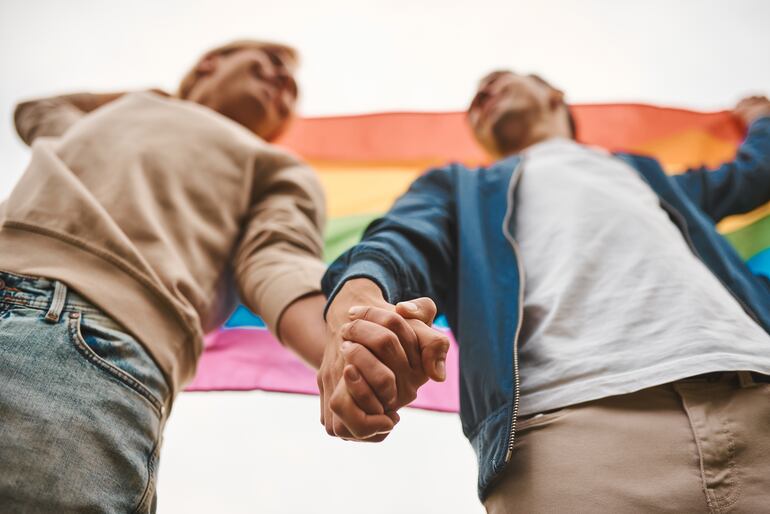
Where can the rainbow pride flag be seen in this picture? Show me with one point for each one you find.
(365, 162)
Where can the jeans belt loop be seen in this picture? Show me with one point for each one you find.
(746, 379)
(57, 303)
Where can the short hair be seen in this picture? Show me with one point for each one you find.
(189, 79)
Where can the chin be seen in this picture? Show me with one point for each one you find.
(271, 131)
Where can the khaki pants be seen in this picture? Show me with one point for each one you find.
(695, 445)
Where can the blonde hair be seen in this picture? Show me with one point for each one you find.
(188, 81)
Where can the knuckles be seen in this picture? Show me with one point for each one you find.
(339, 428)
(394, 322)
(410, 396)
(427, 307)
(337, 405)
(439, 341)
(386, 342)
(381, 340)
(384, 382)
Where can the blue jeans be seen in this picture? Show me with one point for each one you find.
(81, 405)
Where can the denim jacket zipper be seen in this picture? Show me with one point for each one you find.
(515, 247)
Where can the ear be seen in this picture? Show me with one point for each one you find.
(207, 65)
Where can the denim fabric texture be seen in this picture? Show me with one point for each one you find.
(81, 405)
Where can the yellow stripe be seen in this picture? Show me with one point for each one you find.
(688, 149)
(363, 189)
(733, 223)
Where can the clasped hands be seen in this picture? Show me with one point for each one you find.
(377, 356)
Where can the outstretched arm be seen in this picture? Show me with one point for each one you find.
(411, 251)
(51, 117)
(740, 185)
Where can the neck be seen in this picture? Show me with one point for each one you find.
(538, 137)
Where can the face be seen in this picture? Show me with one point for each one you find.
(254, 87)
(510, 112)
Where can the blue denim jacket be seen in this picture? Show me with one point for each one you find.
(452, 237)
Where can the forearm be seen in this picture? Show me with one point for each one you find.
(301, 328)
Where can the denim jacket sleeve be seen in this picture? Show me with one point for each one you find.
(737, 186)
(409, 252)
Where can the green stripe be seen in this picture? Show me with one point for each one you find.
(751, 239)
(342, 233)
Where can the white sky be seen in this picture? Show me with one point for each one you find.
(259, 452)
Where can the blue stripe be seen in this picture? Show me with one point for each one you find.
(244, 318)
(760, 263)
(441, 321)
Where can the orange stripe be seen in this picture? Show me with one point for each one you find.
(431, 137)
(440, 137)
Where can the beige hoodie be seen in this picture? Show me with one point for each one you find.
(152, 207)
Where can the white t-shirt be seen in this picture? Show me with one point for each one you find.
(614, 299)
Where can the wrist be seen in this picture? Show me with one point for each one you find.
(354, 292)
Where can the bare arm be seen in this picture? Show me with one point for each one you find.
(302, 328)
(278, 264)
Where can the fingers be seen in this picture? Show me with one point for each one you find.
(360, 391)
(381, 437)
(752, 108)
(434, 346)
(752, 99)
(349, 417)
(393, 322)
(376, 374)
(388, 345)
(319, 382)
(423, 309)
(327, 416)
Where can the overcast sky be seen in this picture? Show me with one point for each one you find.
(259, 452)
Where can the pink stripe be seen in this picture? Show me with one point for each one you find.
(243, 359)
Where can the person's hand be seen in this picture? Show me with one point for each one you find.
(355, 398)
(376, 423)
(752, 108)
(382, 361)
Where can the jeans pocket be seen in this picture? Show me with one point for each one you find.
(120, 356)
(541, 419)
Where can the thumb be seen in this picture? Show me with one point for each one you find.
(422, 309)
